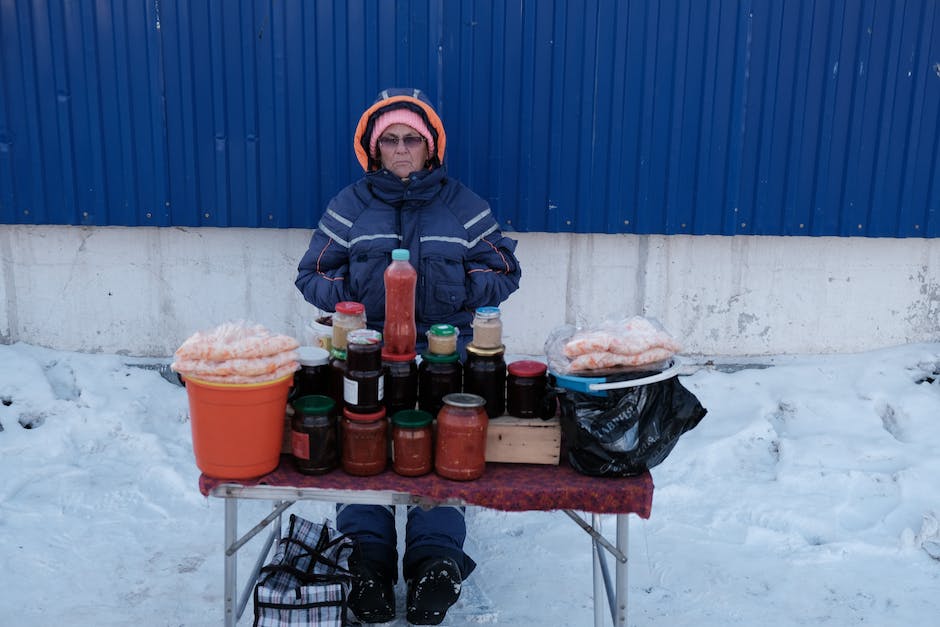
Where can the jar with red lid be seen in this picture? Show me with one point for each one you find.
(525, 389)
(364, 383)
(401, 382)
(412, 443)
(460, 450)
(365, 442)
(349, 316)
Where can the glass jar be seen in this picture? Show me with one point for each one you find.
(365, 442)
(487, 328)
(401, 382)
(442, 339)
(314, 438)
(313, 377)
(460, 450)
(484, 374)
(412, 443)
(348, 316)
(363, 383)
(525, 389)
(438, 376)
(337, 375)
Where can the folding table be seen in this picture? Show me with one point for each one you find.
(506, 487)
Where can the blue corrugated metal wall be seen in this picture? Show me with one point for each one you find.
(793, 117)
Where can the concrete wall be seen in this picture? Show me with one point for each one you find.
(142, 291)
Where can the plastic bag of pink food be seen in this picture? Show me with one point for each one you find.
(634, 343)
(237, 352)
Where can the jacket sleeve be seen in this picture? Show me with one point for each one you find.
(493, 271)
(322, 275)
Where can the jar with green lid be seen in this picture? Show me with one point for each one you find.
(487, 328)
(442, 339)
(349, 316)
(438, 376)
(314, 434)
(412, 443)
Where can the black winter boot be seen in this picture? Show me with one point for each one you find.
(372, 598)
(434, 588)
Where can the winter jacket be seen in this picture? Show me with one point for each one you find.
(462, 258)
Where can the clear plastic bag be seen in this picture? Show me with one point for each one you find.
(635, 343)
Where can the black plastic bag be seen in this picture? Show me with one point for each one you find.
(628, 431)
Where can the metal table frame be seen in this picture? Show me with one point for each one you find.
(283, 497)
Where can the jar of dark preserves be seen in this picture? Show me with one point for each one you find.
(412, 443)
(460, 450)
(364, 385)
(337, 375)
(484, 374)
(438, 376)
(313, 377)
(314, 434)
(401, 382)
(525, 389)
(365, 442)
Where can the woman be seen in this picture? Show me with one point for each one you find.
(406, 200)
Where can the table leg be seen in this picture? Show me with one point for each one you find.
(623, 529)
(599, 592)
(231, 563)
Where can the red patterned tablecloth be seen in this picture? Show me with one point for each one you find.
(508, 487)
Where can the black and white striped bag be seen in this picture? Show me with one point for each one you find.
(307, 581)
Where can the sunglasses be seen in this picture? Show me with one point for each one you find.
(410, 141)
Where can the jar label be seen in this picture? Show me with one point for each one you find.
(350, 391)
(300, 445)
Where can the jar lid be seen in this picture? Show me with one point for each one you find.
(527, 368)
(313, 404)
(360, 417)
(412, 418)
(443, 330)
(401, 254)
(487, 312)
(485, 352)
(312, 356)
(434, 358)
(463, 399)
(349, 307)
(386, 356)
(364, 336)
(337, 353)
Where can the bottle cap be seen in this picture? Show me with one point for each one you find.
(487, 312)
(412, 418)
(462, 399)
(485, 352)
(434, 358)
(401, 254)
(313, 404)
(312, 356)
(360, 417)
(336, 353)
(442, 330)
(364, 337)
(386, 356)
(350, 308)
(526, 368)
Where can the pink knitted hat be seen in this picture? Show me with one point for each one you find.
(400, 116)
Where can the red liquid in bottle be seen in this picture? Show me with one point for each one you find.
(400, 281)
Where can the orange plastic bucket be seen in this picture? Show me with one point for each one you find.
(238, 429)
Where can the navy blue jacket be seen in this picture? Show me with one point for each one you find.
(462, 258)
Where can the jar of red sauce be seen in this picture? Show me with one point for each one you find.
(412, 443)
(365, 442)
(460, 451)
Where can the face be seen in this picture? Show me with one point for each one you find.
(402, 159)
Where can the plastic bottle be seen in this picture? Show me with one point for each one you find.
(400, 280)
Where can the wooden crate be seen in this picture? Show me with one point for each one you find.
(523, 441)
